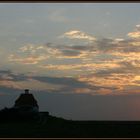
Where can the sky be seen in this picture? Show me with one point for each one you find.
(80, 60)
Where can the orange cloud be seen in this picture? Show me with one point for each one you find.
(127, 56)
(101, 61)
(135, 34)
(104, 91)
(26, 60)
(136, 43)
(10, 84)
(90, 66)
(32, 49)
(83, 90)
(82, 54)
(76, 34)
(118, 81)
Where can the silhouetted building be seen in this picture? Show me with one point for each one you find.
(26, 103)
(25, 108)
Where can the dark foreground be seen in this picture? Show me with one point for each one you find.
(52, 127)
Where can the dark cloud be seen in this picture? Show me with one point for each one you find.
(61, 81)
(82, 48)
(9, 75)
(70, 47)
(70, 53)
(105, 45)
(5, 72)
(71, 50)
(70, 84)
(128, 46)
(20, 77)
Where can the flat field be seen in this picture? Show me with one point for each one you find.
(53, 127)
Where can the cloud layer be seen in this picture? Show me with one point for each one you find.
(101, 66)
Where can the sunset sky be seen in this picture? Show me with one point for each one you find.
(80, 60)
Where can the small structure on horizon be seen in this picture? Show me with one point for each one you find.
(25, 108)
(26, 103)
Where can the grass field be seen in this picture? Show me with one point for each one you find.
(53, 127)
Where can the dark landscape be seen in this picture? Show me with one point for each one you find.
(53, 127)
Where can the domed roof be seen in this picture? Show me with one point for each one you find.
(26, 99)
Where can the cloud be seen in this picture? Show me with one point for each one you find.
(121, 77)
(136, 43)
(81, 47)
(61, 81)
(34, 54)
(135, 34)
(33, 49)
(115, 83)
(11, 76)
(72, 85)
(9, 84)
(68, 51)
(84, 67)
(107, 45)
(117, 46)
(125, 67)
(29, 54)
(105, 65)
(9, 79)
(62, 67)
(138, 26)
(26, 48)
(76, 34)
(52, 84)
(26, 60)
(72, 54)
